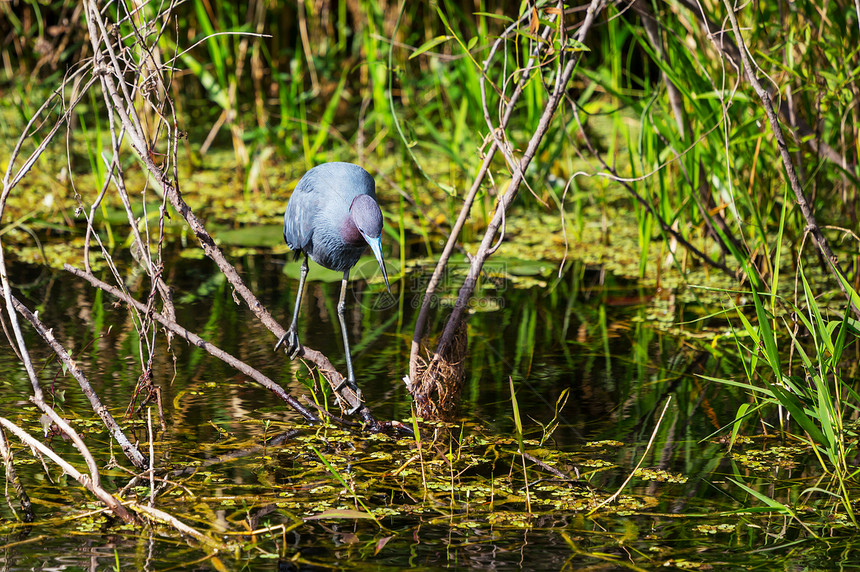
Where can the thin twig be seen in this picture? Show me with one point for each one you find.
(665, 226)
(616, 494)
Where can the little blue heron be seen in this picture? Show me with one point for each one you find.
(332, 216)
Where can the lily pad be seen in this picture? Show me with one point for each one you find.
(268, 235)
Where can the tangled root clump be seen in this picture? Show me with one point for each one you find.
(438, 385)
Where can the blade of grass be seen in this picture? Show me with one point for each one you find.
(346, 485)
(518, 426)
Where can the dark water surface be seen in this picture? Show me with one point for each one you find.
(597, 336)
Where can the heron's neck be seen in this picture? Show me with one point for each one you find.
(350, 232)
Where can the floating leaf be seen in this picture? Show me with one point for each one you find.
(340, 513)
(381, 544)
(257, 235)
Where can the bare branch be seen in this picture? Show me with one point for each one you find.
(131, 451)
(504, 201)
(104, 496)
(12, 478)
(465, 210)
(196, 340)
(794, 182)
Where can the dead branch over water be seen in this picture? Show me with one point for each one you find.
(199, 342)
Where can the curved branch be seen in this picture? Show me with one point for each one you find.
(465, 210)
(504, 201)
(196, 340)
(110, 501)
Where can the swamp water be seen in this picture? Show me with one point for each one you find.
(465, 499)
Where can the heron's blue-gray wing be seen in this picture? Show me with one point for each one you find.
(300, 219)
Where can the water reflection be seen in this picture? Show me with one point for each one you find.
(586, 332)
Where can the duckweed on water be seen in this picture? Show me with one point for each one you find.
(461, 479)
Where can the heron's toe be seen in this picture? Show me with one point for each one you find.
(290, 341)
(296, 347)
(359, 403)
(350, 383)
(281, 341)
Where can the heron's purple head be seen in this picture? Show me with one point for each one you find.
(367, 218)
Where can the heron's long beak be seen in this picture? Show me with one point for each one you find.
(376, 247)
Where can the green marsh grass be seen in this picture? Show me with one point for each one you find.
(720, 167)
(808, 386)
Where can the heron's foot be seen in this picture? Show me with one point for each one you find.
(350, 383)
(290, 341)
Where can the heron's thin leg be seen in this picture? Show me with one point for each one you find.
(292, 336)
(303, 273)
(350, 376)
(341, 310)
